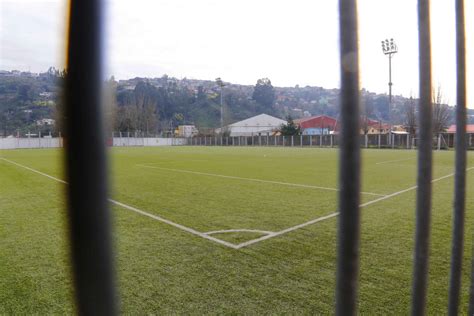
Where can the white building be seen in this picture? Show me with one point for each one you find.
(256, 125)
(186, 130)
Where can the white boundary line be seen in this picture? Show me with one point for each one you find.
(389, 161)
(247, 243)
(136, 210)
(182, 227)
(308, 186)
(287, 230)
(33, 170)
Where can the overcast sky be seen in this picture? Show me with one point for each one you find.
(289, 41)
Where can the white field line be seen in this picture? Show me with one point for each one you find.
(389, 161)
(308, 186)
(319, 219)
(33, 170)
(287, 230)
(136, 210)
(182, 227)
(414, 166)
(247, 243)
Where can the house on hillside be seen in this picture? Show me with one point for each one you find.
(451, 132)
(370, 127)
(262, 124)
(186, 131)
(45, 122)
(375, 127)
(469, 129)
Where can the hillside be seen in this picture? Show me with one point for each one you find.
(157, 105)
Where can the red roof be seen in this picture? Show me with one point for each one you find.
(319, 121)
(324, 121)
(469, 129)
(370, 123)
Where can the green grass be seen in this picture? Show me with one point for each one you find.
(162, 269)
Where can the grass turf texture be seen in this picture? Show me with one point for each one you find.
(162, 269)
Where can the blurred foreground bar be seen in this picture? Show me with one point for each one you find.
(86, 163)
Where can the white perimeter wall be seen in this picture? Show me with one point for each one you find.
(18, 143)
(13, 143)
(148, 142)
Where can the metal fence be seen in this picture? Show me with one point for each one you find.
(439, 142)
(86, 164)
(400, 141)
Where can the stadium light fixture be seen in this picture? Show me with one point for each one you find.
(389, 48)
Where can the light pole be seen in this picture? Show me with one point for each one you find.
(221, 84)
(389, 48)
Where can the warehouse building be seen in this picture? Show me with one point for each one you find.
(317, 125)
(262, 124)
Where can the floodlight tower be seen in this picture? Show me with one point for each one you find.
(221, 84)
(389, 48)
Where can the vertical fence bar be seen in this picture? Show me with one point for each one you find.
(423, 193)
(349, 163)
(460, 171)
(86, 164)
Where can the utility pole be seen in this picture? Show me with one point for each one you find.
(221, 84)
(389, 48)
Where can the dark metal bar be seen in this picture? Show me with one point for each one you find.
(349, 163)
(423, 196)
(86, 163)
(460, 172)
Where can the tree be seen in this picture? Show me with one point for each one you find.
(137, 111)
(221, 84)
(264, 94)
(381, 107)
(441, 114)
(149, 118)
(367, 110)
(110, 105)
(59, 109)
(409, 109)
(290, 128)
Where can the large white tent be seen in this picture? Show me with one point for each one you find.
(256, 125)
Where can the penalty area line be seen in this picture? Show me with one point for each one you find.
(134, 209)
(397, 160)
(308, 186)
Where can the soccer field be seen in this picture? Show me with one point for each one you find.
(212, 230)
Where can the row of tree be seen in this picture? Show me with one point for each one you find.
(150, 109)
(441, 116)
(441, 113)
